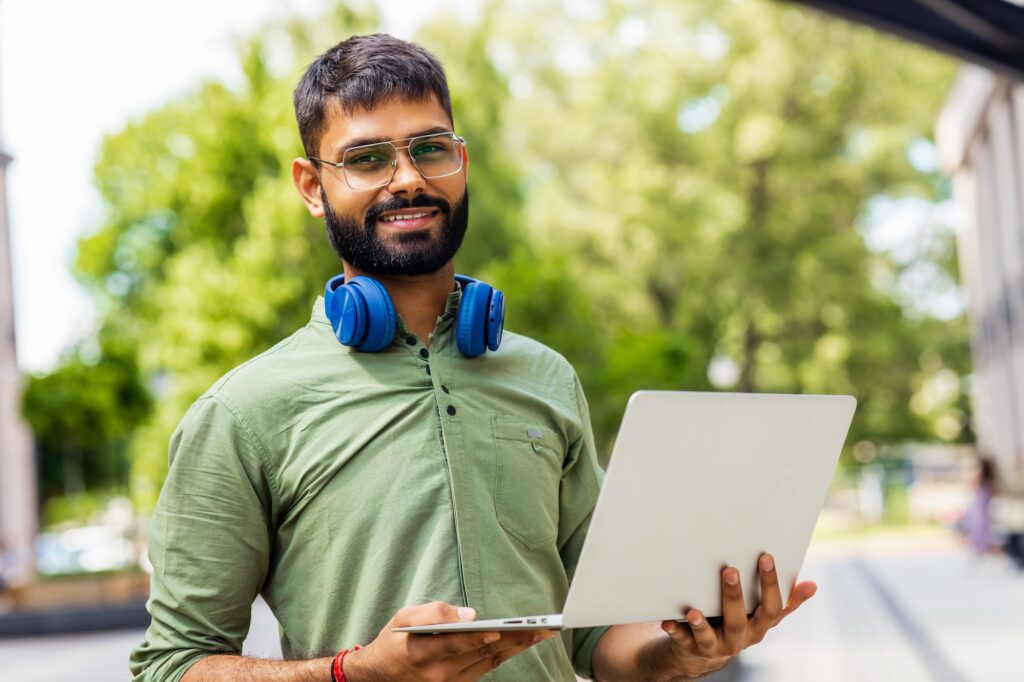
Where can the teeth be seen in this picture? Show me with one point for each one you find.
(409, 216)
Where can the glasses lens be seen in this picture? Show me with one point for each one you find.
(435, 155)
(369, 166)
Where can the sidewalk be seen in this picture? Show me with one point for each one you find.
(898, 609)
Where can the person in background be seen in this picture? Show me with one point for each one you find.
(3, 573)
(976, 523)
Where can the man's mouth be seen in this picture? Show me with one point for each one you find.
(413, 218)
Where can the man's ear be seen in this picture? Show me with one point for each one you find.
(307, 181)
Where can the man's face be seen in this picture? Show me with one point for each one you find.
(410, 226)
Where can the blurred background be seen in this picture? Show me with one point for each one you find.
(741, 195)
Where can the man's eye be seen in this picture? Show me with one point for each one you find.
(368, 159)
(430, 152)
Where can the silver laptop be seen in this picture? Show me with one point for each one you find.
(697, 481)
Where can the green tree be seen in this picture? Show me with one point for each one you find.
(83, 414)
(657, 186)
(708, 169)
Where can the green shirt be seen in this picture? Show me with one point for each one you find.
(343, 486)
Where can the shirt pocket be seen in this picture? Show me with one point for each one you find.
(529, 473)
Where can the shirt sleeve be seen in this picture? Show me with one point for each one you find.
(209, 544)
(581, 481)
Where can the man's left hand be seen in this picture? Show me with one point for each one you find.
(697, 648)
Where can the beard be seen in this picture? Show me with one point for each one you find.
(409, 253)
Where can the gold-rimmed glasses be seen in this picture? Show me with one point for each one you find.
(368, 166)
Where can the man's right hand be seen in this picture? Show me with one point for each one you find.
(459, 657)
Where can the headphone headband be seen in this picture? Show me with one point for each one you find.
(363, 317)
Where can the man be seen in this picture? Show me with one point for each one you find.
(360, 491)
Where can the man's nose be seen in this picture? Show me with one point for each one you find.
(407, 178)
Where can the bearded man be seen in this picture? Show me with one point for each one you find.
(399, 460)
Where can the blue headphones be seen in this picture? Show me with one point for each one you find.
(363, 317)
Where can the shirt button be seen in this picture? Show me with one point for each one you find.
(451, 410)
(411, 340)
(424, 353)
(445, 389)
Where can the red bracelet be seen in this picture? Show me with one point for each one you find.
(337, 671)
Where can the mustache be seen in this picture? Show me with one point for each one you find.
(397, 203)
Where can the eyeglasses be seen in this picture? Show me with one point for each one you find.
(373, 165)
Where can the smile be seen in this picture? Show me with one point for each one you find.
(406, 216)
(409, 219)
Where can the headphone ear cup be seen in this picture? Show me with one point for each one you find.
(379, 314)
(471, 330)
(348, 315)
(345, 310)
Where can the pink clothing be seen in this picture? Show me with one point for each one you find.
(977, 520)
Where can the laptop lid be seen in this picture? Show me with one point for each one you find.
(699, 481)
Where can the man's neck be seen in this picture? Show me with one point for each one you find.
(419, 299)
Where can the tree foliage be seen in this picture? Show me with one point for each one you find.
(708, 169)
(83, 414)
(657, 186)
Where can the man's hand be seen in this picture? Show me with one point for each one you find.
(459, 657)
(641, 652)
(697, 648)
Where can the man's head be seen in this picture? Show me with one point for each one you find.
(373, 89)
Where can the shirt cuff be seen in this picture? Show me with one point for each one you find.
(584, 650)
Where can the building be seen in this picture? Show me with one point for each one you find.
(18, 506)
(980, 134)
(981, 140)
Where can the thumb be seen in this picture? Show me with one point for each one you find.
(433, 613)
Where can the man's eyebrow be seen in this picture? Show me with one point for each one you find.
(360, 141)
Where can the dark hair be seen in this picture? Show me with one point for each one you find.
(360, 73)
(987, 471)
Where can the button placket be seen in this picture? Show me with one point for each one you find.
(439, 368)
(441, 379)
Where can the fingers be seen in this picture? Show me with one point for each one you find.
(481, 666)
(734, 611)
(705, 637)
(471, 667)
(738, 631)
(769, 612)
(446, 646)
(801, 593)
(463, 656)
(422, 648)
(505, 642)
(680, 634)
(699, 637)
(695, 634)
